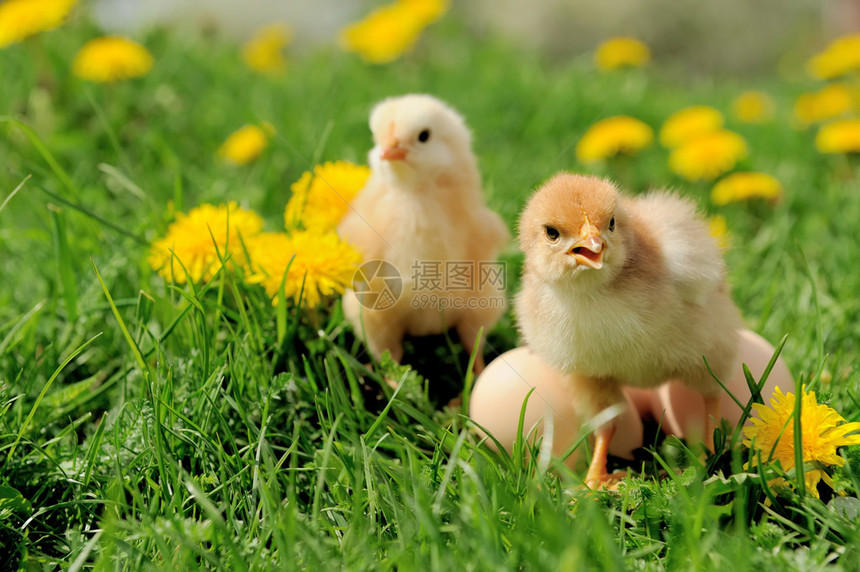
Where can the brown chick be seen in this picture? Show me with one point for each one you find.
(423, 211)
(624, 291)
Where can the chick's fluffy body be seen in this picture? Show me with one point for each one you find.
(419, 213)
(658, 305)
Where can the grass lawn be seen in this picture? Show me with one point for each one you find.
(149, 425)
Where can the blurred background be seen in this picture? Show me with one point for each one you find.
(714, 36)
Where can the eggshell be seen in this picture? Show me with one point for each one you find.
(503, 386)
(500, 390)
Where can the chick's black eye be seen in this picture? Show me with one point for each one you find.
(424, 136)
(551, 233)
(611, 224)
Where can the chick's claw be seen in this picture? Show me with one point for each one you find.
(597, 477)
(605, 481)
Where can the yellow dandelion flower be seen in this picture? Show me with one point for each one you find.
(244, 145)
(190, 249)
(839, 137)
(744, 186)
(391, 30)
(753, 107)
(426, 11)
(708, 156)
(321, 198)
(839, 58)
(612, 136)
(265, 51)
(830, 101)
(111, 58)
(383, 35)
(823, 430)
(689, 123)
(719, 229)
(620, 52)
(20, 19)
(321, 262)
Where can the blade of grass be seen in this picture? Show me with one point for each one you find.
(217, 519)
(798, 436)
(46, 154)
(470, 372)
(6, 343)
(722, 385)
(323, 468)
(383, 415)
(84, 554)
(448, 475)
(65, 269)
(109, 130)
(14, 192)
(44, 391)
(281, 307)
(755, 389)
(101, 220)
(138, 357)
(92, 452)
(819, 326)
(519, 447)
(123, 180)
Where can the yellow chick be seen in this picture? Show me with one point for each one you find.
(422, 210)
(622, 291)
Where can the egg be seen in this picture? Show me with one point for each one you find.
(499, 392)
(497, 400)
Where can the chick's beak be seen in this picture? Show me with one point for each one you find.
(393, 152)
(589, 250)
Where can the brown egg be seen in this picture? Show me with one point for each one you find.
(500, 390)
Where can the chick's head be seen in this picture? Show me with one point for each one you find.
(572, 227)
(418, 136)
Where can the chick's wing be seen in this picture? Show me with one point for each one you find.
(693, 258)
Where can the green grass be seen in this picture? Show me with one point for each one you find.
(147, 426)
